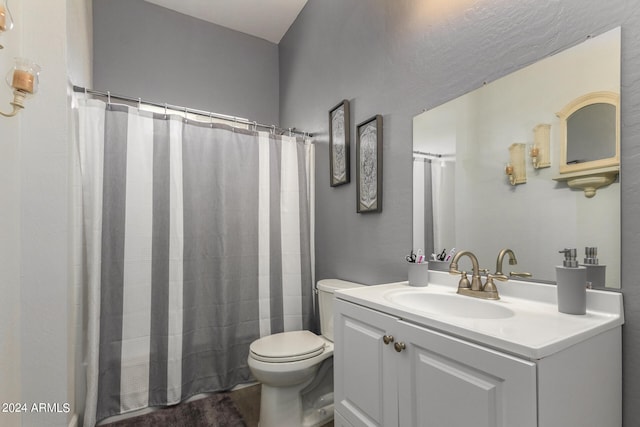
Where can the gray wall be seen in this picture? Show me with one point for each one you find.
(396, 58)
(143, 50)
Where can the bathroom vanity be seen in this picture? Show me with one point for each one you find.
(407, 356)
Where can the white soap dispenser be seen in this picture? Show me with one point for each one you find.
(571, 280)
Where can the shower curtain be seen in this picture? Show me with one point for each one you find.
(423, 228)
(433, 205)
(197, 241)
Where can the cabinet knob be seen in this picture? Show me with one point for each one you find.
(387, 339)
(399, 346)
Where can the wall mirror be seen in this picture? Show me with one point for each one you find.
(590, 141)
(463, 199)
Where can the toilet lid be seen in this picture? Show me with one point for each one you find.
(287, 347)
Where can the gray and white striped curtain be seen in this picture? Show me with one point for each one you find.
(197, 241)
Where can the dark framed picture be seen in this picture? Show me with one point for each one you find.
(339, 143)
(369, 165)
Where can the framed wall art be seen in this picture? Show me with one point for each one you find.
(369, 165)
(339, 143)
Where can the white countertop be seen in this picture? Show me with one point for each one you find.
(536, 330)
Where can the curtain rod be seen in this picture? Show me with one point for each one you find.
(178, 108)
(436, 155)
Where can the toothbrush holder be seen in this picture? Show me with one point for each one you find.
(418, 274)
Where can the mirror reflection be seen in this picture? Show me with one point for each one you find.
(590, 128)
(463, 199)
(591, 133)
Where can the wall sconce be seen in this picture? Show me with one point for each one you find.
(516, 168)
(539, 150)
(23, 78)
(6, 22)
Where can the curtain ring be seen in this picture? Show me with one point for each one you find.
(186, 120)
(211, 119)
(255, 126)
(165, 110)
(139, 103)
(289, 132)
(109, 99)
(235, 123)
(273, 129)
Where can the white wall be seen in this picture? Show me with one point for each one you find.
(10, 386)
(44, 175)
(38, 321)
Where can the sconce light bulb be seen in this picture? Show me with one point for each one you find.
(508, 170)
(534, 152)
(23, 81)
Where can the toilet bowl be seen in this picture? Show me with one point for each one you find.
(295, 369)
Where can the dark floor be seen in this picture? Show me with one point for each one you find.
(248, 402)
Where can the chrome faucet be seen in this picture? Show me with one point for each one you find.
(512, 261)
(475, 288)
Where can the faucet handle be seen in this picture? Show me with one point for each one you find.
(464, 281)
(516, 274)
(499, 276)
(490, 287)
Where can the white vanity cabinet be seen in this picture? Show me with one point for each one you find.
(391, 372)
(434, 380)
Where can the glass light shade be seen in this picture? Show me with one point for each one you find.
(24, 76)
(508, 169)
(6, 22)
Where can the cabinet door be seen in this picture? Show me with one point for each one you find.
(444, 381)
(339, 421)
(364, 366)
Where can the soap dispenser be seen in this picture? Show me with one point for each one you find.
(596, 272)
(571, 280)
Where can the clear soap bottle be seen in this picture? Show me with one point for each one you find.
(571, 280)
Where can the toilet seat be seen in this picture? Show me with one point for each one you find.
(287, 347)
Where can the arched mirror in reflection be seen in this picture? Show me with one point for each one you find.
(590, 141)
(462, 197)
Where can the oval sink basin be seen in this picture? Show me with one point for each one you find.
(450, 305)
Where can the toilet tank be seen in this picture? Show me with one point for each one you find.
(326, 288)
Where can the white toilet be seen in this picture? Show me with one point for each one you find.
(296, 369)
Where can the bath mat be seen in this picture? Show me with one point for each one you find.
(217, 410)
